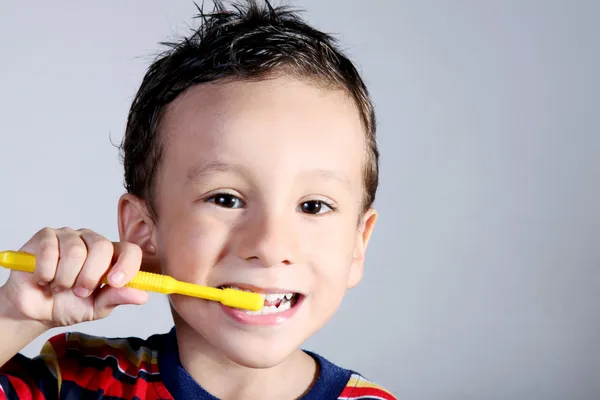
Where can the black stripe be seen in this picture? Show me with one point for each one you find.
(111, 362)
(45, 381)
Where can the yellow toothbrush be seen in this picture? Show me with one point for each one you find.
(148, 281)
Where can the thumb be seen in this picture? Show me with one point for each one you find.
(150, 261)
(108, 298)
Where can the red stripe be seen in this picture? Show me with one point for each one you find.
(72, 371)
(82, 376)
(58, 343)
(24, 390)
(142, 389)
(94, 379)
(357, 392)
(21, 380)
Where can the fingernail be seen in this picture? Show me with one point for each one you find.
(117, 277)
(81, 292)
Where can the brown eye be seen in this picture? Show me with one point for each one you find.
(226, 200)
(314, 207)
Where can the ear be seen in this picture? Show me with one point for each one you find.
(363, 235)
(136, 226)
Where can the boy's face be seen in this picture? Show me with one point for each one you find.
(261, 187)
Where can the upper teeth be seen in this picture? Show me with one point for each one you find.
(277, 296)
(270, 296)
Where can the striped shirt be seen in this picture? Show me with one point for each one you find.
(79, 366)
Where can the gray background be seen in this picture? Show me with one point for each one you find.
(483, 274)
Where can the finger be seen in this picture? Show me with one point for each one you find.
(108, 298)
(72, 256)
(150, 262)
(127, 265)
(99, 258)
(44, 245)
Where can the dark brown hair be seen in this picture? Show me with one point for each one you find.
(247, 42)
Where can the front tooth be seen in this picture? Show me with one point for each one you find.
(272, 297)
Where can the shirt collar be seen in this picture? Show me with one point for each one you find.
(329, 384)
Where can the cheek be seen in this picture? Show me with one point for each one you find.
(331, 249)
(190, 246)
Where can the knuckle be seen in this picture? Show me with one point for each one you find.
(44, 239)
(101, 244)
(45, 232)
(41, 237)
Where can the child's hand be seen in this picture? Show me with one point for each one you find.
(64, 289)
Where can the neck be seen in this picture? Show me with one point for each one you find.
(226, 379)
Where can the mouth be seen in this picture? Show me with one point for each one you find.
(275, 301)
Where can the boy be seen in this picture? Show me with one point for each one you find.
(250, 162)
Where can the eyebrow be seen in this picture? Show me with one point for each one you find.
(331, 176)
(201, 170)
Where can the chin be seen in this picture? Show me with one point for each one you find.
(252, 349)
(257, 357)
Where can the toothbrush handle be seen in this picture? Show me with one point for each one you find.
(21, 261)
(18, 261)
(151, 282)
(148, 281)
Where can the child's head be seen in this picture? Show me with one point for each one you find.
(250, 161)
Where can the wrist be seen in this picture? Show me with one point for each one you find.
(10, 317)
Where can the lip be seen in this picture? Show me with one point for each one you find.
(242, 317)
(257, 289)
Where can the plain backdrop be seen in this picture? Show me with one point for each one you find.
(482, 279)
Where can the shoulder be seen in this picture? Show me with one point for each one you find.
(345, 384)
(360, 388)
(80, 346)
(95, 363)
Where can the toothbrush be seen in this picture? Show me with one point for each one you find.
(148, 281)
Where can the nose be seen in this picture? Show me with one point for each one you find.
(266, 240)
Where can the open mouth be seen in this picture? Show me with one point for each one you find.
(274, 303)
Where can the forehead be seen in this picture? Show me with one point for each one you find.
(280, 124)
